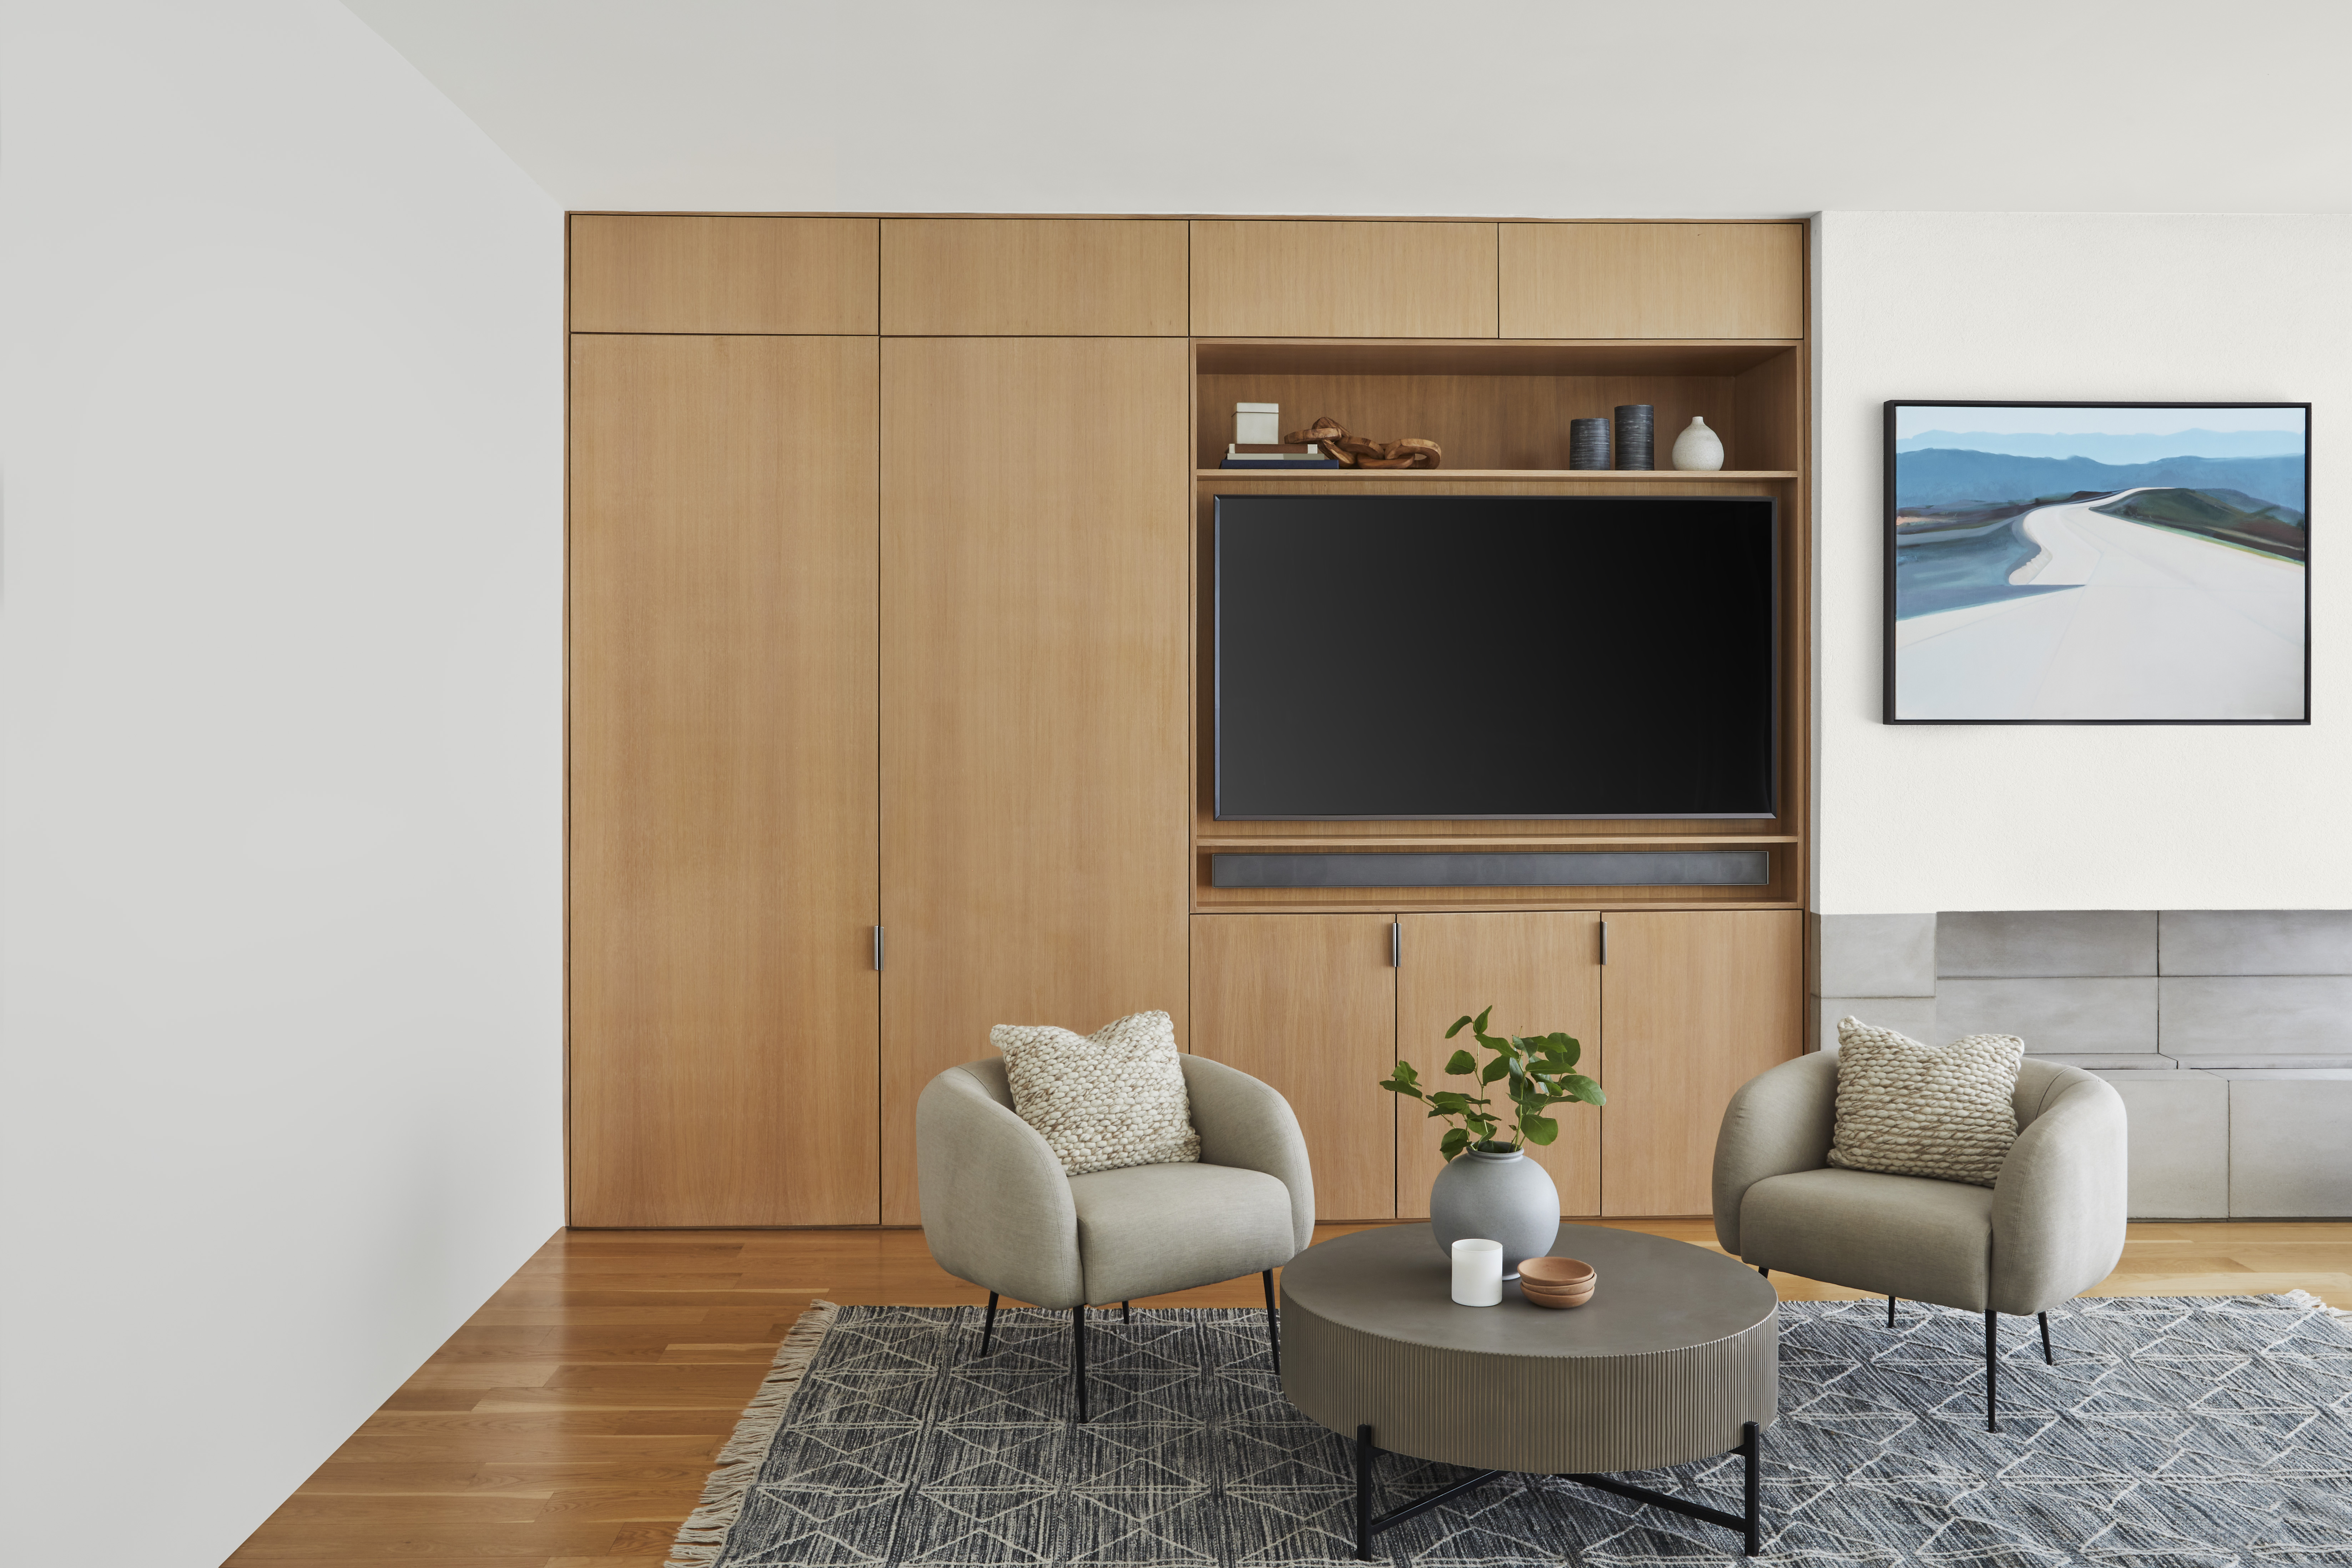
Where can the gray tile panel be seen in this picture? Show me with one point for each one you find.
(2290, 1144)
(2264, 1060)
(1978, 944)
(2180, 1142)
(2256, 941)
(1877, 955)
(1912, 1016)
(2113, 1061)
(2054, 1017)
(2266, 1016)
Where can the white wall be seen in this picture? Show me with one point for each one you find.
(2081, 307)
(279, 750)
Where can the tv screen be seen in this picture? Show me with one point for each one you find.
(1389, 656)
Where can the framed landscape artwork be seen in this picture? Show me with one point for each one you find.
(2098, 564)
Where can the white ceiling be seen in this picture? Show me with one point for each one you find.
(1503, 107)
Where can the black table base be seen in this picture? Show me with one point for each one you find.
(1750, 1450)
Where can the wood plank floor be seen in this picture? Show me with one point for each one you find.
(571, 1423)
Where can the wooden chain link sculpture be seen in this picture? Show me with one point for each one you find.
(1412, 452)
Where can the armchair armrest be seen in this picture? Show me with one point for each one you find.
(1777, 1124)
(1245, 1124)
(997, 1208)
(2060, 1203)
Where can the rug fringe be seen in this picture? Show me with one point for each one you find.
(704, 1534)
(2306, 1299)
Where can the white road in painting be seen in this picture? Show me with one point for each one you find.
(2146, 624)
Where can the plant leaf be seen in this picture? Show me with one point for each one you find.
(1461, 1062)
(1458, 1025)
(1538, 1130)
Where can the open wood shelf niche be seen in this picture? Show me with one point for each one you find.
(1500, 411)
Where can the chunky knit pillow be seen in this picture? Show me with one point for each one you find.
(1104, 1101)
(1910, 1110)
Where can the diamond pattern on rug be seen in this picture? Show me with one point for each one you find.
(2173, 1433)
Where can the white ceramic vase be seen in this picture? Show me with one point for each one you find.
(1505, 1197)
(1698, 449)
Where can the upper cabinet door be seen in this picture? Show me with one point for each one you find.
(1035, 534)
(1048, 277)
(1540, 971)
(778, 275)
(1698, 1002)
(1654, 279)
(1294, 278)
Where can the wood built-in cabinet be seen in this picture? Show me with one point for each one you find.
(1687, 1007)
(1033, 703)
(886, 545)
(722, 884)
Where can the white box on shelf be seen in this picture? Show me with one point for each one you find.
(1257, 424)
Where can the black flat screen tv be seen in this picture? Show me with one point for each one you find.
(1518, 656)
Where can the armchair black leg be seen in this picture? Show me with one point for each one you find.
(1078, 1358)
(1273, 1329)
(1127, 1312)
(1890, 1311)
(2047, 1359)
(988, 1324)
(1766, 1272)
(1992, 1371)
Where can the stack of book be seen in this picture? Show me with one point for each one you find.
(1285, 455)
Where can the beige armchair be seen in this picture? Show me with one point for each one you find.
(2050, 1227)
(999, 1212)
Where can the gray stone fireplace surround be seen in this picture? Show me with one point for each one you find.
(2228, 1032)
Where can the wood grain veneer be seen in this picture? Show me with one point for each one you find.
(1540, 972)
(1279, 278)
(723, 1004)
(1034, 276)
(1653, 280)
(1032, 701)
(701, 274)
(1307, 1004)
(1695, 1004)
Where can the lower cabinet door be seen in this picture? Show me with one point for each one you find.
(1696, 1003)
(1540, 971)
(1308, 1003)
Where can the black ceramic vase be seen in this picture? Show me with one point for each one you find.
(1636, 436)
(1588, 443)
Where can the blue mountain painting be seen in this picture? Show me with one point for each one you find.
(1939, 477)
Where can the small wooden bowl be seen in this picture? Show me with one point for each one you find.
(1555, 1273)
(1557, 1282)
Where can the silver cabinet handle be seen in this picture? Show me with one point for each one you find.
(1396, 944)
(878, 947)
(1604, 942)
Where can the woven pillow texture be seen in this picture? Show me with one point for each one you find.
(1106, 1101)
(1910, 1110)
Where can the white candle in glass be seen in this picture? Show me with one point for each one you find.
(1477, 1273)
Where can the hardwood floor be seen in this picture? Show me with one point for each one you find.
(571, 1423)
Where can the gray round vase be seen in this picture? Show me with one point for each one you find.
(1504, 1197)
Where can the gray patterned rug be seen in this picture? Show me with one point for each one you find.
(2196, 1432)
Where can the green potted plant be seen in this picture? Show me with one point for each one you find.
(1497, 1193)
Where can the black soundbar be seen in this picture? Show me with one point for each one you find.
(1661, 868)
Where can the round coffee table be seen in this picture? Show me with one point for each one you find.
(1675, 1358)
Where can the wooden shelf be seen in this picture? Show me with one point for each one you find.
(1486, 357)
(1604, 476)
(1498, 841)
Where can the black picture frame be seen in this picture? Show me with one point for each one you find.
(1890, 667)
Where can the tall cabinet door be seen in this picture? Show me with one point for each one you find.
(1035, 506)
(1540, 971)
(1308, 1003)
(1697, 1002)
(724, 1006)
